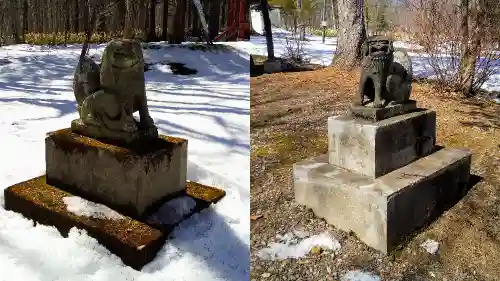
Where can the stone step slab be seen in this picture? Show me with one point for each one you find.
(383, 211)
(136, 242)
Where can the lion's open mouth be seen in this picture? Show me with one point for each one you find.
(125, 63)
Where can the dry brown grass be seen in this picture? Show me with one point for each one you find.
(289, 113)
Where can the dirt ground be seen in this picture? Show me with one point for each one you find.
(289, 117)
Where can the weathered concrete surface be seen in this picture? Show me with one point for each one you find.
(272, 66)
(127, 179)
(383, 211)
(135, 242)
(376, 148)
(377, 114)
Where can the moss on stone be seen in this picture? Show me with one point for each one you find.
(134, 241)
(69, 141)
(204, 193)
(129, 231)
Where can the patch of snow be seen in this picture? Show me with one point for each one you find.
(163, 68)
(301, 234)
(358, 275)
(174, 210)
(85, 208)
(295, 245)
(430, 246)
(312, 166)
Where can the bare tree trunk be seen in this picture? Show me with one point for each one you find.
(189, 16)
(66, 22)
(14, 14)
(128, 30)
(164, 34)
(122, 15)
(77, 16)
(471, 43)
(180, 20)
(223, 14)
(351, 34)
(335, 13)
(25, 19)
(264, 5)
(214, 19)
(195, 22)
(152, 21)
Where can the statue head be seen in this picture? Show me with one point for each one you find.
(122, 56)
(379, 51)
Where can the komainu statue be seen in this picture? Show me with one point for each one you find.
(386, 74)
(108, 95)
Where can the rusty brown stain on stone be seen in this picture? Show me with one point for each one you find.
(69, 142)
(203, 192)
(127, 230)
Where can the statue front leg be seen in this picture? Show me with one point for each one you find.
(359, 100)
(146, 121)
(378, 101)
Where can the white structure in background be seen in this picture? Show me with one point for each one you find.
(275, 15)
(258, 22)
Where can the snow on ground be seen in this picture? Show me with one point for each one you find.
(430, 246)
(313, 48)
(211, 109)
(322, 53)
(358, 275)
(174, 210)
(297, 244)
(82, 207)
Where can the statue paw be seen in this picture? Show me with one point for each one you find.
(89, 120)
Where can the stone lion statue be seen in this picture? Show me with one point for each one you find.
(109, 94)
(386, 74)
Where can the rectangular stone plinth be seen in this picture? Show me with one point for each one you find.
(377, 114)
(376, 148)
(129, 179)
(135, 242)
(383, 211)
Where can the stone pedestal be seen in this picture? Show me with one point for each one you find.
(129, 179)
(382, 179)
(141, 183)
(376, 148)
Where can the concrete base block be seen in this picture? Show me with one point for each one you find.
(136, 242)
(383, 211)
(377, 114)
(377, 148)
(128, 179)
